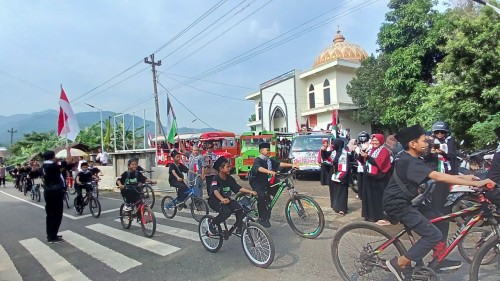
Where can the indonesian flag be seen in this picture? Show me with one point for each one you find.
(149, 140)
(335, 121)
(67, 124)
(171, 123)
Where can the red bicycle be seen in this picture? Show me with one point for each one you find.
(142, 213)
(360, 250)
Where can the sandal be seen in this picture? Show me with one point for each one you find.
(341, 213)
(383, 223)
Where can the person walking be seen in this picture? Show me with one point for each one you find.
(326, 161)
(53, 193)
(196, 174)
(340, 178)
(210, 172)
(102, 157)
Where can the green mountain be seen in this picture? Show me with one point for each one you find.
(46, 121)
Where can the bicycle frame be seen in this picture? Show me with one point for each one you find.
(480, 210)
(282, 185)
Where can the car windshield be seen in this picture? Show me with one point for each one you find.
(307, 143)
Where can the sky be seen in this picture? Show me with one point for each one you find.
(83, 44)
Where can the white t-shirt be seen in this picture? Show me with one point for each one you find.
(103, 157)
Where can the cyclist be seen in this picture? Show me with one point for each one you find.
(96, 172)
(264, 169)
(14, 174)
(220, 198)
(82, 179)
(176, 172)
(130, 184)
(34, 173)
(23, 172)
(410, 171)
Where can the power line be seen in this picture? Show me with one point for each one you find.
(204, 91)
(26, 82)
(170, 94)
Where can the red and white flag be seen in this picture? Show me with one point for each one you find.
(67, 125)
(149, 140)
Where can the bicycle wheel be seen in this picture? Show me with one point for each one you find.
(95, 207)
(480, 270)
(304, 216)
(78, 208)
(25, 188)
(96, 191)
(199, 208)
(353, 252)
(211, 243)
(472, 241)
(148, 221)
(66, 199)
(38, 196)
(258, 245)
(168, 207)
(149, 196)
(125, 217)
(254, 214)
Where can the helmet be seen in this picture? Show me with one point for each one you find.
(363, 137)
(440, 126)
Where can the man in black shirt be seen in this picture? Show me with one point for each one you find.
(410, 171)
(220, 198)
(54, 193)
(264, 169)
(15, 175)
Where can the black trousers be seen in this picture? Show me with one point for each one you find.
(208, 180)
(225, 211)
(54, 211)
(182, 188)
(2, 181)
(79, 189)
(264, 194)
(417, 219)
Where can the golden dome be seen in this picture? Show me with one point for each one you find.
(340, 49)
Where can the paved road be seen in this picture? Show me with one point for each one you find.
(100, 249)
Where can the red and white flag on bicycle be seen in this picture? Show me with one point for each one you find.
(67, 125)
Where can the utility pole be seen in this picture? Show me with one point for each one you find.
(12, 132)
(153, 64)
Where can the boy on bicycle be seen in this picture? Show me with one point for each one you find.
(409, 173)
(220, 198)
(264, 170)
(130, 184)
(83, 178)
(176, 172)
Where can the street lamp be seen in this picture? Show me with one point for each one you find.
(488, 4)
(100, 113)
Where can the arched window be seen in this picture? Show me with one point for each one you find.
(259, 109)
(312, 104)
(326, 92)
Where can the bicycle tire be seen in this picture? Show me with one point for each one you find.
(25, 188)
(79, 209)
(198, 205)
(66, 199)
(360, 258)
(38, 196)
(96, 188)
(491, 269)
(95, 207)
(211, 244)
(149, 196)
(148, 219)
(261, 251)
(254, 214)
(32, 195)
(472, 241)
(125, 217)
(299, 205)
(168, 207)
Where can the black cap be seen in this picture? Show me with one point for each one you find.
(220, 162)
(264, 145)
(405, 135)
(48, 155)
(497, 131)
(173, 153)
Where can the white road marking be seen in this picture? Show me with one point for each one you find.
(179, 232)
(8, 271)
(148, 244)
(113, 259)
(58, 267)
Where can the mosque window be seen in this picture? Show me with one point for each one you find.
(312, 103)
(259, 109)
(326, 92)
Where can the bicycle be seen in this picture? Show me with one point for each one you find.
(170, 205)
(257, 243)
(70, 183)
(23, 183)
(66, 198)
(89, 199)
(35, 190)
(303, 213)
(144, 215)
(371, 245)
(149, 195)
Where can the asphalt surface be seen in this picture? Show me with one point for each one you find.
(100, 249)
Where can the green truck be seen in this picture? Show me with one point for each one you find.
(249, 150)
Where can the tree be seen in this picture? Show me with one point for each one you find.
(467, 92)
(33, 144)
(90, 136)
(251, 119)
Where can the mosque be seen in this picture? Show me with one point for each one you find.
(296, 98)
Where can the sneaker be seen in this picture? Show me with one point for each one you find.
(127, 208)
(402, 274)
(447, 265)
(77, 209)
(264, 223)
(55, 241)
(212, 229)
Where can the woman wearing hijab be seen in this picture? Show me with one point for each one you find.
(325, 160)
(340, 178)
(377, 163)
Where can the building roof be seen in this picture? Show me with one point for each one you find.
(340, 49)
